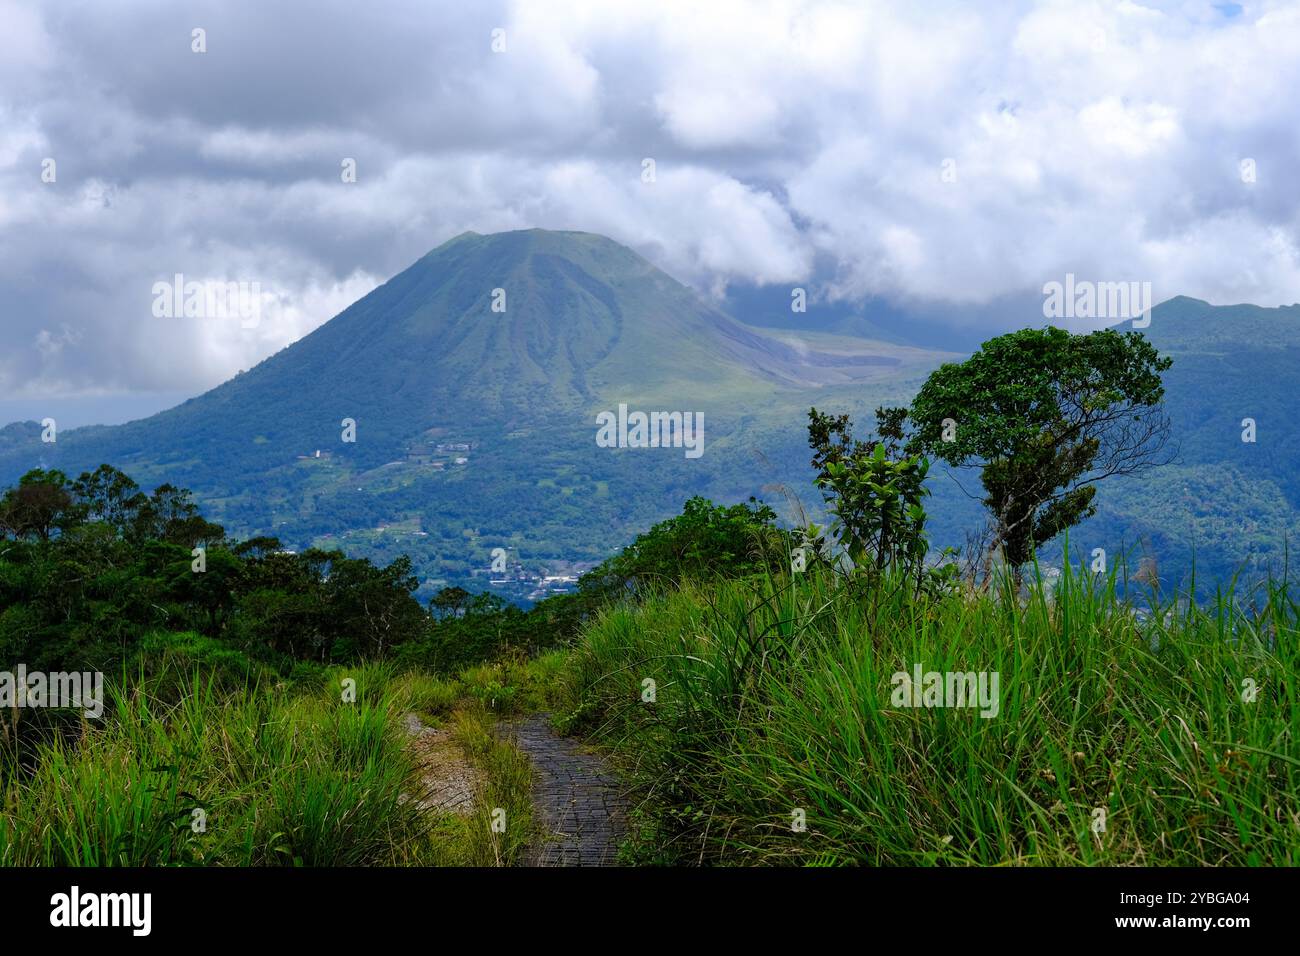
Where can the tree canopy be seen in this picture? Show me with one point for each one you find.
(1046, 415)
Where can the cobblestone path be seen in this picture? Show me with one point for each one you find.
(578, 799)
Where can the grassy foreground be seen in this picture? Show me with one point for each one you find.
(203, 770)
(758, 720)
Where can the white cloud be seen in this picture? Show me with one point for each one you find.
(795, 141)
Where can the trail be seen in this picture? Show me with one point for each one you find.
(578, 799)
(448, 781)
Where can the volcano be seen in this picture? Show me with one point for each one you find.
(457, 404)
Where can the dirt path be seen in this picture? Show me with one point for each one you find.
(577, 798)
(448, 780)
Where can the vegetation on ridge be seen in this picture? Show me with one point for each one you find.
(811, 696)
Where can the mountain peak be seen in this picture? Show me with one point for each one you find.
(501, 251)
(528, 328)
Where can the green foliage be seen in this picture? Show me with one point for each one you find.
(507, 785)
(89, 567)
(705, 539)
(777, 695)
(1047, 414)
(38, 506)
(876, 502)
(284, 775)
(164, 663)
(105, 564)
(515, 683)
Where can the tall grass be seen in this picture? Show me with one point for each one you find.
(503, 823)
(772, 706)
(278, 775)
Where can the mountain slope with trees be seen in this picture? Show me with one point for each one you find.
(475, 429)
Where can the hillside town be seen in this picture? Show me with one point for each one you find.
(515, 582)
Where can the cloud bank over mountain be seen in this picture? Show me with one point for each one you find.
(923, 154)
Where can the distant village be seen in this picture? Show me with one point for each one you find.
(436, 456)
(516, 581)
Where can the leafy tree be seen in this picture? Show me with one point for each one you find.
(471, 628)
(486, 603)
(96, 565)
(257, 548)
(170, 514)
(891, 425)
(212, 592)
(41, 504)
(877, 502)
(449, 602)
(372, 609)
(109, 495)
(704, 539)
(1047, 415)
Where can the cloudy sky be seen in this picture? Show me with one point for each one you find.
(925, 153)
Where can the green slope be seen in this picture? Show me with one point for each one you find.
(1230, 504)
(423, 361)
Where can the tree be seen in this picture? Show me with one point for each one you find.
(257, 548)
(373, 608)
(170, 514)
(211, 591)
(110, 496)
(704, 540)
(831, 437)
(875, 495)
(449, 602)
(41, 504)
(1047, 415)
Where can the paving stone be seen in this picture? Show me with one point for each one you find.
(578, 800)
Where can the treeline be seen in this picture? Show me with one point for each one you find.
(91, 567)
